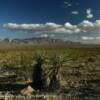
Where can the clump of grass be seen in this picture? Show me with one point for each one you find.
(91, 59)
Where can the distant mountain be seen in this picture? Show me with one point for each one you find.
(39, 40)
(35, 41)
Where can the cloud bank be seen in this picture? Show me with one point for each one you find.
(68, 28)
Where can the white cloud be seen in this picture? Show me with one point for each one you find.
(52, 35)
(98, 38)
(87, 38)
(44, 35)
(63, 30)
(68, 25)
(90, 38)
(86, 26)
(11, 25)
(86, 23)
(24, 26)
(90, 16)
(75, 12)
(89, 13)
(48, 27)
(52, 25)
(33, 27)
(68, 28)
(71, 27)
(67, 4)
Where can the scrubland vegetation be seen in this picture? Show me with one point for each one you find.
(51, 69)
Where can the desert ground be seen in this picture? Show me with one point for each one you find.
(50, 72)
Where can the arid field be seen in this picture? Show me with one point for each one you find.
(46, 72)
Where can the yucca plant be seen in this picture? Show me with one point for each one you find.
(53, 74)
(38, 73)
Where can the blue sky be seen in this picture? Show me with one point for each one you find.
(76, 20)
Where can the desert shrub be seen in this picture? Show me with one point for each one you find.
(38, 74)
(54, 72)
(91, 59)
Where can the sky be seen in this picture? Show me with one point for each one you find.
(74, 20)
